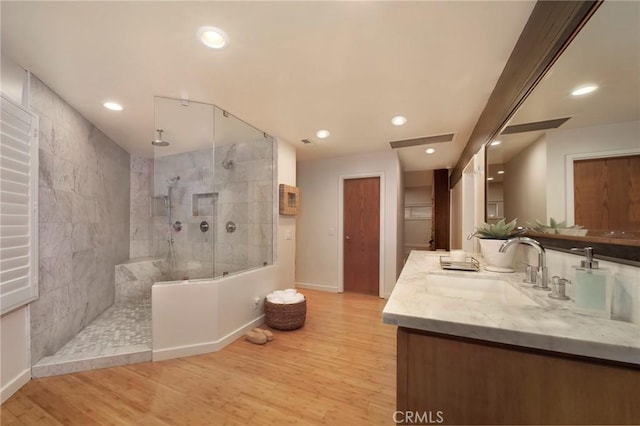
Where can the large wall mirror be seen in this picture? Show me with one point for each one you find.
(576, 158)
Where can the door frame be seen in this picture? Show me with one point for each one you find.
(570, 158)
(341, 229)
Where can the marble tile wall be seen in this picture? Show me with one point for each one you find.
(192, 201)
(141, 242)
(243, 194)
(83, 221)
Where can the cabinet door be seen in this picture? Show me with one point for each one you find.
(471, 382)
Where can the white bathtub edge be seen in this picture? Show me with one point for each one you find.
(206, 347)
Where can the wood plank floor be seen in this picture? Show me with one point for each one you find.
(339, 369)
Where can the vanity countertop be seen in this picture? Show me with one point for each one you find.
(552, 326)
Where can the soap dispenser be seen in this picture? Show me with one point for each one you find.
(591, 290)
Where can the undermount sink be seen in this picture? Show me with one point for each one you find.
(481, 289)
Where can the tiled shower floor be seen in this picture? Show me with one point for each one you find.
(120, 336)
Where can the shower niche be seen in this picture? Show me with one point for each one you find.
(203, 204)
(212, 168)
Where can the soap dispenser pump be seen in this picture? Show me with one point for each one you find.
(591, 293)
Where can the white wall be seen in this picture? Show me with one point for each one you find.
(524, 184)
(12, 81)
(417, 178)
(400, 222)
(573, 141)
(15, 365)
(204, 316)
(286, 241)
(495, 191)
(418, 194)
(317, 261)
(417, 232)
(456, 215)
(468, 204)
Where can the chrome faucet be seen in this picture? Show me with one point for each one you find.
(541, 281)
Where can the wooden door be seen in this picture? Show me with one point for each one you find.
(361, 239)
(607, 193)
(441, 211)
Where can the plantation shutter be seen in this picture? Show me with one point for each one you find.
(18, 206)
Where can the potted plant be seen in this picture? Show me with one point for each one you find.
(491, 237)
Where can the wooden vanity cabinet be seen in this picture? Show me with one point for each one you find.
(476, 382)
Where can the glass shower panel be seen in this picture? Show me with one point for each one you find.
(244, 185)
(184, 201)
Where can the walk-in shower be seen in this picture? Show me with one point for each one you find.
(217, 170)
(202, 208)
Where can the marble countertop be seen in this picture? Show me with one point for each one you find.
(551, 326)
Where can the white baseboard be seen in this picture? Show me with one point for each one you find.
(206, 347)
(319, 287)
(14, 385)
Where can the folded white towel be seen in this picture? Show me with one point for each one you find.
(287, 296)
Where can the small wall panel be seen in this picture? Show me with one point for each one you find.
(289, 200)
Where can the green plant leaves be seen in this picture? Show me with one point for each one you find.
(497, 231)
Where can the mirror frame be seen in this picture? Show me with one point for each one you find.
(549, 31)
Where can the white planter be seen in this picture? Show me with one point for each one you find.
(496, 261)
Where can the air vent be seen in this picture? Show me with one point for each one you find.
(421, 141)
(535, 126)
(307, 141)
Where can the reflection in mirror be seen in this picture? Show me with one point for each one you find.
(585, 170)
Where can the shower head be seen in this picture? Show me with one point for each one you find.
(173, 180)
(158, 141)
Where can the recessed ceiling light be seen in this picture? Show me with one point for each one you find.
(322, 134)
(495, 143)
(212, 37)
(398, 120)
(489, 178)
(500, 172)
(113, 106)
(583, 90)
(429, 150)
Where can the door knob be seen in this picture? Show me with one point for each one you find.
(347, 237)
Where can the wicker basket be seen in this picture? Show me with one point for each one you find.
(283, 316)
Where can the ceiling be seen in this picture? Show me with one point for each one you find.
(290, 69)
(606, 52)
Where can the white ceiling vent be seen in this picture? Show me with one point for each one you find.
(422, 141)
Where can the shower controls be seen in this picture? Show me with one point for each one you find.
(230, 227)
(177, 226)
(204, 226)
